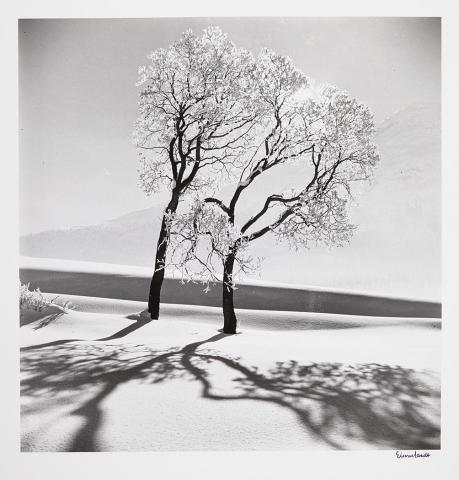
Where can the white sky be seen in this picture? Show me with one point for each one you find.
(78, 100)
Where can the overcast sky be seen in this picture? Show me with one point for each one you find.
(78, 100)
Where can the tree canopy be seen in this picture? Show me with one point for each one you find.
(321, 127)
(195, 111)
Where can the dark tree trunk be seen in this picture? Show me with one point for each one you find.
(229, 317)
(154, 297)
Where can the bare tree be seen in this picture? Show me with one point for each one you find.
(195, 119)
(321, 128)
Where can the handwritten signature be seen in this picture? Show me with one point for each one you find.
(412, 455)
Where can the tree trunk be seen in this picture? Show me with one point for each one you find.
(229, 317)
(154, 297)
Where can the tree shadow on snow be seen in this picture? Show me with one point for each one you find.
(139, 323)
(43, 317)
(386, 406)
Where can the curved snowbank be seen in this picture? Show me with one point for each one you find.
(132, 283)
(103, 308)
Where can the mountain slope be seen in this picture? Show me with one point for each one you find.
(396, 249)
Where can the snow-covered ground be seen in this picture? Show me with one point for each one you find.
(97, 378)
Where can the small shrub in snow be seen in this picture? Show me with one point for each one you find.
(35, 300)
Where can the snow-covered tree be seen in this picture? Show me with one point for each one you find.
(196, 116)
(320, 128)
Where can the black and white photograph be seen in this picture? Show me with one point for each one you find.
(230, 236)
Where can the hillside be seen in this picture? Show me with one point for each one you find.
(396, 249)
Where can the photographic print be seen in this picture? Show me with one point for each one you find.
(230, 234)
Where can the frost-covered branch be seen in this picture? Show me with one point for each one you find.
(325, 130)
(195, 110)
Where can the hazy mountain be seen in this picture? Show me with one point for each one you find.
(397, 248)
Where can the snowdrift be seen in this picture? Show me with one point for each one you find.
(132, 283)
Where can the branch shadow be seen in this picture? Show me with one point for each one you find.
(139, 323)
(54, 343)
(43, 317)
(388, 407)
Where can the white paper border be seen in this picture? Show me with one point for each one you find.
(235, 465)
